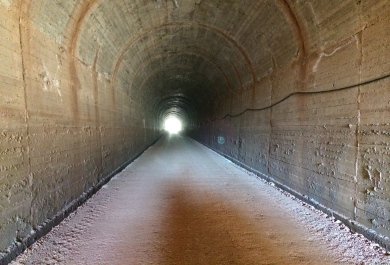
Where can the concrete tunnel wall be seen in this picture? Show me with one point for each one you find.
(85, 85)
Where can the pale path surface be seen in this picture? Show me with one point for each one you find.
(181, 203)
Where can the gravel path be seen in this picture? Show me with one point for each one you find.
(180, 203)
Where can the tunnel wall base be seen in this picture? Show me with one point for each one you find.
(353, 225)
(59, 217)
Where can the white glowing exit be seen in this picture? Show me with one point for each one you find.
(172, 125)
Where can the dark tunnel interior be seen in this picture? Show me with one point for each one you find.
(295, 91)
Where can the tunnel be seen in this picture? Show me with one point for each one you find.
(296, 92)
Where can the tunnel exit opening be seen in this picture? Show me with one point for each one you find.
(173, 125)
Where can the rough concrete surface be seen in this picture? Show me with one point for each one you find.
(181, 203)
(86, 84)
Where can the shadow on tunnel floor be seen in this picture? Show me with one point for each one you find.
(209, 231)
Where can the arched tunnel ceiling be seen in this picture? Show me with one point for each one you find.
(202, 50)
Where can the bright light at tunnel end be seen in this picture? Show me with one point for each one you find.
(172, 125)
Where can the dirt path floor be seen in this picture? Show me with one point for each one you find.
(181, 203)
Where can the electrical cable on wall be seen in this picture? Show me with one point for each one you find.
(303, 93)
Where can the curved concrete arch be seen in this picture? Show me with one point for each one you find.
(187, 85)
(199, 94)
(297, 29)
(181, 24)
(183, 105)
(146, 63)
(193, 51)
(159, 71)
(196, 98)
